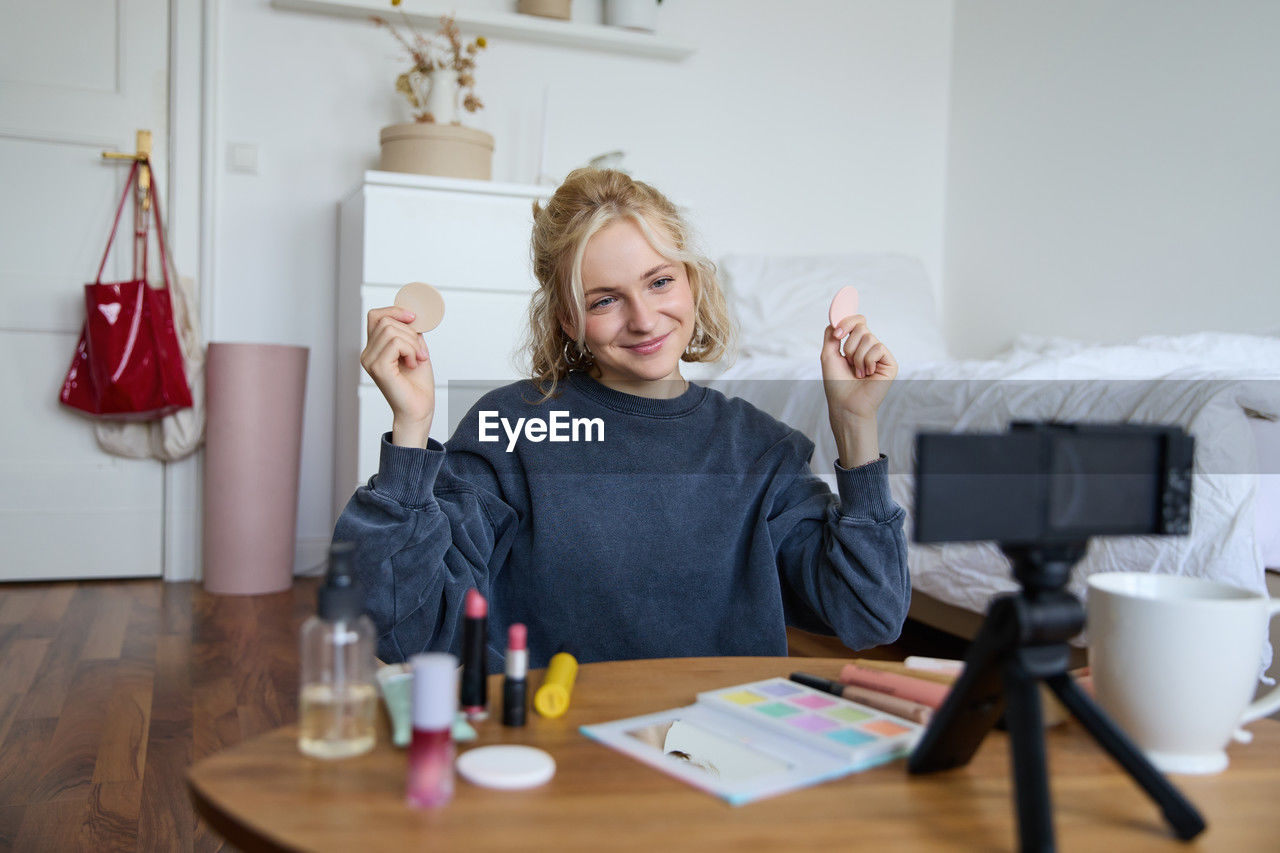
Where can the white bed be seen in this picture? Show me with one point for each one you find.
(1223, 388)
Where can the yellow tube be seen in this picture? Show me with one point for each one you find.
(552, 698)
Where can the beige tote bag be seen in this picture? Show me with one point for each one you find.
(180, 434)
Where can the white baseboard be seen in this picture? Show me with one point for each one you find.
(310, 556)
(183, 503)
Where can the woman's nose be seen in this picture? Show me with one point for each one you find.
(642, 316)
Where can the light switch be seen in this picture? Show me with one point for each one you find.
(242, 157)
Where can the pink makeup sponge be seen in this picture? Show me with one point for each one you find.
(425, 302)
(844, 305)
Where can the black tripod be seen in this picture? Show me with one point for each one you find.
(1023, 641)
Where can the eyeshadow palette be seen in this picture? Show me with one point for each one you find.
(826, 722)
(760, 739)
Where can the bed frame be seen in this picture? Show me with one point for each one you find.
(945, 617)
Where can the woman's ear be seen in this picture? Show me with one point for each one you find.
(568, 328)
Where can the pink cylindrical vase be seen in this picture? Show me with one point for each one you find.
(253, 453)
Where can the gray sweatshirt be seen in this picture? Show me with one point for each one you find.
(617, 526)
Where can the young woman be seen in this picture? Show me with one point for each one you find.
(616, 509)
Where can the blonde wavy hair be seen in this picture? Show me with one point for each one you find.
(587, 201)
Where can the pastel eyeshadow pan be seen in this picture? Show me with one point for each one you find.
(884, 728)
(812, 701)
(778, 709)
(849, 737)
(778, 689)
(813, 723)
(742, 697)
(847, 715)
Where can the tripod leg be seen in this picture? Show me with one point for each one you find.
(1027, 752)
(975, 700)
(1178, 811)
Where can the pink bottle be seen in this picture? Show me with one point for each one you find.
(431, 752)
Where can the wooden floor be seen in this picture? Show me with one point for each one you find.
(109, 690)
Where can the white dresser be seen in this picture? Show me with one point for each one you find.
(470, 240)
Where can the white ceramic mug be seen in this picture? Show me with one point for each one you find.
(1174, 662)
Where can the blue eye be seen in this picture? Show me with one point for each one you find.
(600, 303)
(662, 282)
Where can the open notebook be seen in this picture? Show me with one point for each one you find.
(756, 740)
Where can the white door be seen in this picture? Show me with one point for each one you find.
(77, 77)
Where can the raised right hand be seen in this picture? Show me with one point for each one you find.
(396, 358)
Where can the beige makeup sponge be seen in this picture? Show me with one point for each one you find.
(425, 302)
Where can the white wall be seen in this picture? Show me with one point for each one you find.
(1113, 169)
(808, 126)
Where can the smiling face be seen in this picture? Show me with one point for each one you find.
(638, 313)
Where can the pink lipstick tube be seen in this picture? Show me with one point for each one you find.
(431, 751)
(513, 685)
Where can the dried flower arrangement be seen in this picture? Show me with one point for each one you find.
(444, 50)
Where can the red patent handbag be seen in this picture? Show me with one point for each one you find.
(128, 363)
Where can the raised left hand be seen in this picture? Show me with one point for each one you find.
(856, 380)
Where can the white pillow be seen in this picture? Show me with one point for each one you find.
(781, 302)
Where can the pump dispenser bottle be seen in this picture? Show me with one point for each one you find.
(338, 697)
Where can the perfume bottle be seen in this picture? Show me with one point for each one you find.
(338, 696)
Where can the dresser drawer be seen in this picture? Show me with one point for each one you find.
(459, 239)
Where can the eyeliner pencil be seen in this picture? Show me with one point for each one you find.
(895, 705)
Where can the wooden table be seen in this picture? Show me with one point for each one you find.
(263, 794)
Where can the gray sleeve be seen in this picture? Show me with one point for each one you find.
(423, 538)
(843, 562)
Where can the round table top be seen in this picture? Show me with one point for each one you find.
(264, 794)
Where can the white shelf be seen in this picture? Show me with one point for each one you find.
(498, 25)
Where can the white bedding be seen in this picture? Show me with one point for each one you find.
(1214, 385)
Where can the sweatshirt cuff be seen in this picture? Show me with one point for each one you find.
(407, 475)
(864, 491)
